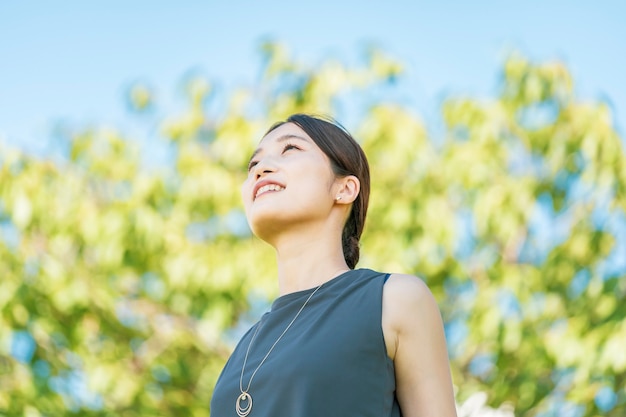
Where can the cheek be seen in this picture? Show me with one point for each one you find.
(246, 186)
(245, 191)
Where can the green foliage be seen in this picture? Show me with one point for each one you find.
(118, 283)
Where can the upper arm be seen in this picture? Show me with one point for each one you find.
(416, 342)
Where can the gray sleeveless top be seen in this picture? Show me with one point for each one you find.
(331, 362)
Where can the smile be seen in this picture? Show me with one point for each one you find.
(268, 188)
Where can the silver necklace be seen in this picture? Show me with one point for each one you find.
(243, 405)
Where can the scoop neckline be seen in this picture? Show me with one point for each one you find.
(285, 299)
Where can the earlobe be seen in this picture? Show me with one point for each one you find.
(349, 188)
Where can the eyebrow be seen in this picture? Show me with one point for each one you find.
(280, 139)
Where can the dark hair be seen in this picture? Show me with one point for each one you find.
(346, 158)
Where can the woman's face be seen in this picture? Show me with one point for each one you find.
(290, 182)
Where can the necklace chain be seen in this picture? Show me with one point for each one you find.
(244, 410)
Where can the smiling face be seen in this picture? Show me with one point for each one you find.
(290, 182)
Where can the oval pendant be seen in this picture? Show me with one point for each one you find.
(243, 405)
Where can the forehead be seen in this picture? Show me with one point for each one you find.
(284, 132)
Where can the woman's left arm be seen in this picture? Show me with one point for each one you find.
(416, 342)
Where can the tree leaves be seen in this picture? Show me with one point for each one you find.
(121, 286)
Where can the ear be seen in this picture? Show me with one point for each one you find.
(347, 189)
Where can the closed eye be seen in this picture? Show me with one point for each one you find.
(289, 146)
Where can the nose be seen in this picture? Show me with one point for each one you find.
(264, 166)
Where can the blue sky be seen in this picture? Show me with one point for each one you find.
(70, 61)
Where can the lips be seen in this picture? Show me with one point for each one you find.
(266, 186)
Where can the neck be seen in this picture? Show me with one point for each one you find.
(307, 260)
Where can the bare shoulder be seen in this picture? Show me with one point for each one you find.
(415, 341)
(408, 294)
(408, 305)
(407, 287)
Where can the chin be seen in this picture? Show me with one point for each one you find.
(265, 223)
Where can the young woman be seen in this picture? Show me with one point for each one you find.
(338, 341)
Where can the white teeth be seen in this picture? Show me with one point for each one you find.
(268, 187)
